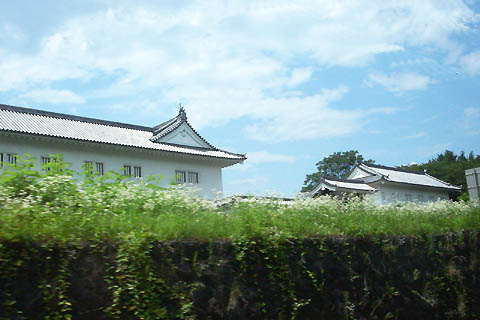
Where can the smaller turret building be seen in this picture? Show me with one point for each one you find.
(384, 185)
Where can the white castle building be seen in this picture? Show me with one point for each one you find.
(384, 185)
(172, 149)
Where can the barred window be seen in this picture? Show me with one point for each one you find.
(137, 172)
(12, 158)
(88, 166)
(193, 177)
(99, 168)
(180, 176)
(45, 161)
(127, 170)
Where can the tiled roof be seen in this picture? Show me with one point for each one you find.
(341, 185)
(406, 176)
(168, 126)
(348, 184)
(37, 122)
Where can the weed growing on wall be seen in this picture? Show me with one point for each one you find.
(77, 245)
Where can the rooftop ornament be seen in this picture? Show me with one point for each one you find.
(181, 112)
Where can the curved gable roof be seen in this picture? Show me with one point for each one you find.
(406, 176)
(169, 126)
(64, 126)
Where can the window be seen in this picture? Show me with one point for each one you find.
(88, 166)
(408, 197)
(420, 198)
(180, 176)
(127, 170)
(45, 161)
(432, 198)
(184, 177)
(394, 196)
(193, 177)
(12, 158)
(99, 168)
(137, 172)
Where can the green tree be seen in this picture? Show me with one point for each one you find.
(339, 165)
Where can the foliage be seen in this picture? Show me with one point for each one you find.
(59, 206)
(338, 164)
(112, 247)
(449, 167)
(423, 277)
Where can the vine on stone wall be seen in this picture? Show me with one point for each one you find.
(333, 277)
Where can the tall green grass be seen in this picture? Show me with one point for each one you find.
(52, 204)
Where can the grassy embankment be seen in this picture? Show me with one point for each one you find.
(52, 205)
(95, 249)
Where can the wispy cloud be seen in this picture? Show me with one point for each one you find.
(430, 151)
(470, 63)
(412, 62)
(471, 118)
(417, 135)
(11, 32)
(268, 50)
(256, 158)
(53, 96)
(471, 112)
(399, 82)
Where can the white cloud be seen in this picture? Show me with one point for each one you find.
(399, 82)
(21, 72)
(253, 181)
(411, 62)
(471, 112)
(53, 96)
(430, 151)
(417, 135)
(258, 157)
(309, 118)
(255, 158)
(471, 117)
(237, 59)
(11, 32)
(471, 63)
(195, 37)
(299, 76)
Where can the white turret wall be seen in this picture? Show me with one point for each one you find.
(114, 158)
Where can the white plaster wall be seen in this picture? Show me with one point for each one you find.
(114, 158)
(390, 193)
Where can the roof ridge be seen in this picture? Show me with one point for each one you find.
(344, 180)
(378, 166)
(447, 183)
(198, 134)
(73, 117)
(368, 169)
(168, 126)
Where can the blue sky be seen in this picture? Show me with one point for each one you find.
(287, 82)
